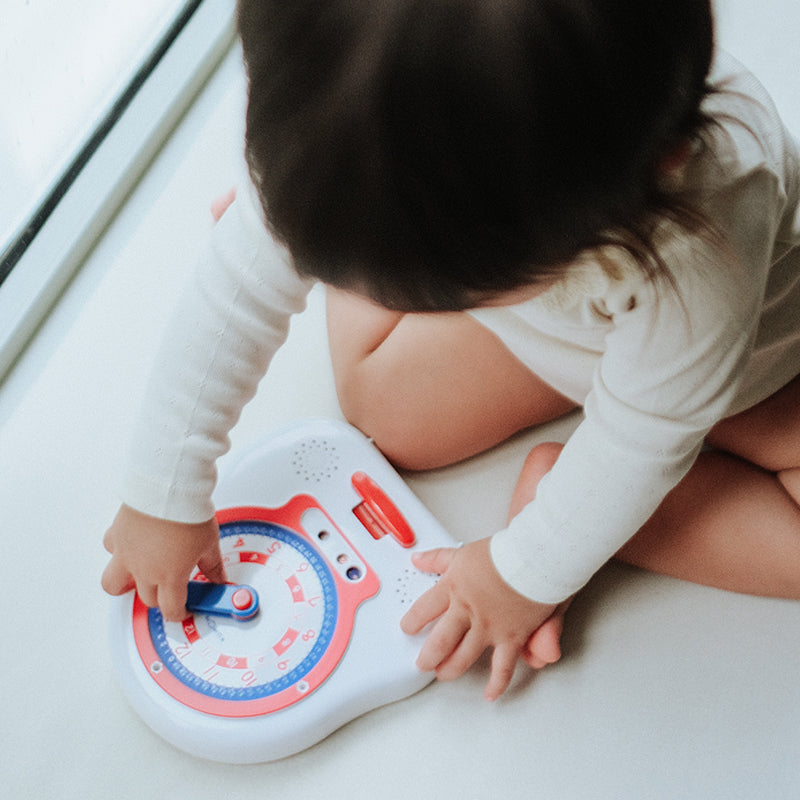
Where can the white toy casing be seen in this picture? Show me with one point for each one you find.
(316, 458)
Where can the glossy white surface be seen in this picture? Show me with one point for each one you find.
(666, 690)
(61, 84)
(60, 247)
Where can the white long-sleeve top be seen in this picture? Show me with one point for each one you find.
(654, 366)
(231, 319)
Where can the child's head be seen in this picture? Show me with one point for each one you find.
(432, 153)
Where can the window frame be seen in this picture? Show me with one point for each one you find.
(47, 252)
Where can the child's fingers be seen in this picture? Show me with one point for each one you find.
(148, 594)
(442, 641)
(212, 566)
(427, 608)
(172, 601)
(116, 579)
(504, 660)
(434, 561)
(468, 651)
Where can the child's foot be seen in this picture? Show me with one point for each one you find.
(544, 647)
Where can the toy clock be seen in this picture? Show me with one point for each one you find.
(317, 532)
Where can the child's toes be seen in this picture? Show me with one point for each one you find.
(544, 646)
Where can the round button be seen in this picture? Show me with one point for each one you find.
(242, 599)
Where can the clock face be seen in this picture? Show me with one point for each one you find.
(236, 668)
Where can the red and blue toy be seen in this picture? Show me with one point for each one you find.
(317, 532)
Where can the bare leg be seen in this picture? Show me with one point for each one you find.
(728, 524)
(768, 435)
(731, 523)
(734, 521)
(431, 389)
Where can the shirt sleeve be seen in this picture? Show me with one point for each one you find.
(232, 318)
(673, 361)
(674, 358)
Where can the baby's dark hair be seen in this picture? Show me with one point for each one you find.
(434, 153)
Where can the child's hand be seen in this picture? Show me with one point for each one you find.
(474, 609)
(157, 557)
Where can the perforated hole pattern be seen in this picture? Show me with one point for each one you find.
(411, 584)
(315, 460)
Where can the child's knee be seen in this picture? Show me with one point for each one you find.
(350, 392)
(367, 405)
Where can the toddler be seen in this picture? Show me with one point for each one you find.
(519, 207)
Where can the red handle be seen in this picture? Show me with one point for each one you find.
(378, 513)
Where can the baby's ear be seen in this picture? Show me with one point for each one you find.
(676, 157)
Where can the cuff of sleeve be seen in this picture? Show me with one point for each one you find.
(187, 507)
(522, 572)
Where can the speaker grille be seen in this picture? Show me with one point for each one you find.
(315, 460)
(412, 583)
